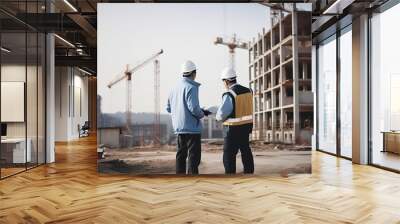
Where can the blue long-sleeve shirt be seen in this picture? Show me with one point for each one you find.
(225, 109)
(184, 107)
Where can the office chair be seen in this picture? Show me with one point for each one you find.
(84, 130)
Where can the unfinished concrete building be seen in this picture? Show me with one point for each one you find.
(280, 76)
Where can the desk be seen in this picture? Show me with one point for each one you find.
(391, 141)
(13, 150)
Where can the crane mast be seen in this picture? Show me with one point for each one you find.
(157, 131)
(127, 75)
(128, 99)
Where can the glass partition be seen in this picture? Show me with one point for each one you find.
(326, 60)
(346, 95)
(41, 96)
(14, 153)
(22, 78)
(385, 89)
(31, 97)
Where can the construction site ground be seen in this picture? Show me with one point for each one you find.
(268, 159)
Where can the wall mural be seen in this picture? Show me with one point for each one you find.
(193, 89)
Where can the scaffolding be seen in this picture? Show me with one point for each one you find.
(280, 76)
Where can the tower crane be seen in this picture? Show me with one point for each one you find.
(127, 75)
(232, 44)
(157, 122)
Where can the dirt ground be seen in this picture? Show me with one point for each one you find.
(268, 159)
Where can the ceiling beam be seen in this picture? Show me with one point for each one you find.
(84, 24)
(81, 61)
(337, 7)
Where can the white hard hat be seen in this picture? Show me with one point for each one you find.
(188, 66)
(228, 73)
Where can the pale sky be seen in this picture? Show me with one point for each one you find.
(130, 33)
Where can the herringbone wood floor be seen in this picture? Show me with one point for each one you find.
(71, 191)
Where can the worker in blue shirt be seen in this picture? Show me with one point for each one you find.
(236, 112)
(184, 107)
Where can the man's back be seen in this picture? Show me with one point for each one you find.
(183, 104)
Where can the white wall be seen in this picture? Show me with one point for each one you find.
(71, 102)
(61, 103)
(33, 126)
(81, 103)
(13, 73)
(16, 73)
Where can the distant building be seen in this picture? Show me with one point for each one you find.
(211, 128)
(143, 134)
(119, 137)
(109, 137)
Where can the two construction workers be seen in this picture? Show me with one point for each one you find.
(235, 112)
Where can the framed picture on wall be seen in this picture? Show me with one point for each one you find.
(162, 79)
(13, 101)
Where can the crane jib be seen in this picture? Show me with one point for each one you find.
(129, 72)
(146, 61)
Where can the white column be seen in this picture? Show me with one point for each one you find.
(50, 98)
(314, 90)
(63, 101)
(360, 90)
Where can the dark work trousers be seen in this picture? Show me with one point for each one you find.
(189, 147)
(237, 138)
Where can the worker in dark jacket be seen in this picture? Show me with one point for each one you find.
(236, 112)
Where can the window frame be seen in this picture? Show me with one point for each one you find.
(380, 9)
(332, 36)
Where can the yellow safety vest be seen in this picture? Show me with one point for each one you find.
(243, 108)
